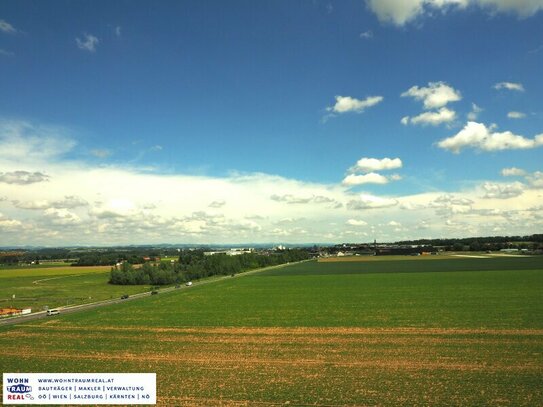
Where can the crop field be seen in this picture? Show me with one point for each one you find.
(448, 332)
(57, 286)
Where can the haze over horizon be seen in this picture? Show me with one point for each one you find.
(311, 121)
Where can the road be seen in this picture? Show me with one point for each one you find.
(85, 307)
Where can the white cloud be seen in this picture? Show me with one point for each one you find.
(370, 178)
(366, 35)
(509, 86)
(366, 164)
(513, 172)
(32, 205)
(435, 95)
(394, 223)
(7, 28)
(402, 12)
(61, 216)
(118, 31)
(217, 204)
(366, 201)
(475, 111)
(516, 115)
(478, 136)
(356, 222)
(22, 177)
(443, 115)
(9, 225)
(88, 43)
(68, 202)
(502, 191)
(22, 141)
(6, 53)
(535, 179)
(346, 104)
(523, 8)
(86, 203)
(296, 199)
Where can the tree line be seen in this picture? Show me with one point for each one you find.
(194, 265)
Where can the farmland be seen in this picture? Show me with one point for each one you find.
(388, 332)
(37, 287)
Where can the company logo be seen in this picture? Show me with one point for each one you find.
(19, 388)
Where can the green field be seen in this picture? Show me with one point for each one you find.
(37, 287)
(389, 332)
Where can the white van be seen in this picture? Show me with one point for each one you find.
(53, 312)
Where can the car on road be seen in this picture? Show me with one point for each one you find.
(53, 312)
(188, 283)
(124, 296)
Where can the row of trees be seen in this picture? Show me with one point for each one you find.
(193, 265)
(161, 274)
(532, 242)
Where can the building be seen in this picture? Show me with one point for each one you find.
(8, 312)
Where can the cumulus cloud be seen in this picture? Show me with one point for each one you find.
(513, 172)
(443, 115)
(516, 115)
(475, 111)
(509, 86)
(68, 202)
(346, 104)
(22, 177)
(9, 225)
(294, 199)
(356, 222)
(370, 178)
(535, 179)
(7, 28)
(32, 205)
(435, 95)
(61, 216)
(85, 203)
(367, 201)
(87, 43)
(366, 164)
(366, 35)
(217, 204)
(502, 191)
(479, 137)
(402, 12)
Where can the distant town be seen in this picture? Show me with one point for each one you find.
(111, 256)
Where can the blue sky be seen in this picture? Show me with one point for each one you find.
(247, 112)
